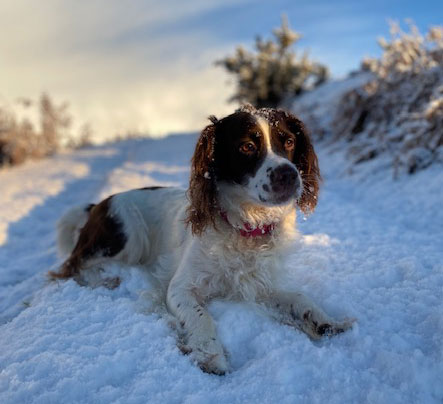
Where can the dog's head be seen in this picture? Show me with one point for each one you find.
(263, 156)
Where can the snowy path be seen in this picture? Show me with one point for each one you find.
(372, 250)
(31, 196)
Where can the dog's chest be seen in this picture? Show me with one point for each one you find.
(236, 269)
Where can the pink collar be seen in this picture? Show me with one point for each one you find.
(250, 231)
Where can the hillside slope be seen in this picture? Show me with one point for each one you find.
(372, 250)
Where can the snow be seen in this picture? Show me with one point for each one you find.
(318, 108)
(372, 250)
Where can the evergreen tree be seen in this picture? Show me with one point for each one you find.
(274, 72)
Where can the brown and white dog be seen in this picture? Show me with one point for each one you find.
(221, 239)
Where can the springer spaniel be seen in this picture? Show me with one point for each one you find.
(221, 239)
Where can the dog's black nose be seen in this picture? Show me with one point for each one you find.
(284, 179)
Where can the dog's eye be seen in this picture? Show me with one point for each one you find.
(289, 144)
(248, 148)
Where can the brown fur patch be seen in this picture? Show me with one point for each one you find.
(102, 234)
(306, 161)
(202, 192)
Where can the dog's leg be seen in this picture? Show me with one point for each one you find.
(201, 336)
(297, 310)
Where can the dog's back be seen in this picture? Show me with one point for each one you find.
(134, 227)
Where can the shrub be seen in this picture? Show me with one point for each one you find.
(274, 73)
(19, 139)
(400, 111)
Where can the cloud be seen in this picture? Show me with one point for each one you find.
(109, 60)
(146, 65)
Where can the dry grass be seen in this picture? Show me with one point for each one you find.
(20, 139)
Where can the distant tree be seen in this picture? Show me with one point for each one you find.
(84, 137)
(20, 140)
(55, 121)
(274, 73)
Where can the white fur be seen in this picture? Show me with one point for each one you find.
(221, 263)
(193, 270)
(68, 228)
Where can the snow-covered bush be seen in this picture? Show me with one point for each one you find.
(274, 72)
(400, 110)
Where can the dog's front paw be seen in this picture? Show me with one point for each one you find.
(318, 326)
(209, 355)
(333, 328)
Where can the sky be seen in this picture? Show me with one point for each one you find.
(148, 66)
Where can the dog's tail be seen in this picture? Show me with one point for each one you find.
(69, 226)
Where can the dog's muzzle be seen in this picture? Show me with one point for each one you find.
(285, 182)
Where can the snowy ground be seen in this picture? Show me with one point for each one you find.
(373, 250)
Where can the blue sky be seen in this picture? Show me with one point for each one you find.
(144, 65)
(339, 33)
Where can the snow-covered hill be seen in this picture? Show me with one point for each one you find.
(373, 250)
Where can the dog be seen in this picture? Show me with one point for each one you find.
(223, 238)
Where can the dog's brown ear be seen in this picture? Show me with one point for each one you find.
(306, 161)
(202, 191)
